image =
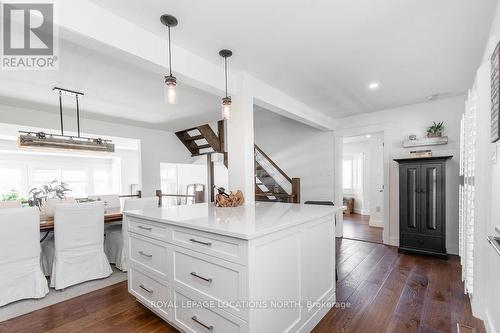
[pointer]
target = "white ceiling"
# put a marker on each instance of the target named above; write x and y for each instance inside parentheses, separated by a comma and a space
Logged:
(117, 87)
(325, 53)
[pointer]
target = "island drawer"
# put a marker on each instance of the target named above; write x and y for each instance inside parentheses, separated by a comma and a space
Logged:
(148, 254)
(223, 247)
(210, 278)
(148, 228)
(192, 315)
(152, 293)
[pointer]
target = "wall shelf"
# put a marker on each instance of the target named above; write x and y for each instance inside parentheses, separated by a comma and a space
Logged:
(425, 142)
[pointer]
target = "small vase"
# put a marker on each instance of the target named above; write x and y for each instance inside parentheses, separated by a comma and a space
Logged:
(435, 135)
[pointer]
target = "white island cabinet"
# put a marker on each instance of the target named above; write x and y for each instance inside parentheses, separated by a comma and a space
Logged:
(264, 268)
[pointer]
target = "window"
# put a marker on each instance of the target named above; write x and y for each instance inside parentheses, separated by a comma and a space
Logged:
(11, 180)
(347, 173)
(101, 182)
(77, 182)
(352, 173)
(84, 175)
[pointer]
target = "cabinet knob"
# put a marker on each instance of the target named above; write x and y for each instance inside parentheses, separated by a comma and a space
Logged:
(420, 241)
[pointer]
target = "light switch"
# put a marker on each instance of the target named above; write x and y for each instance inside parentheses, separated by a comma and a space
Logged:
(494, 155)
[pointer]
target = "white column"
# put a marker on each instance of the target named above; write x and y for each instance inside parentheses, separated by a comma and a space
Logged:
(240, 139)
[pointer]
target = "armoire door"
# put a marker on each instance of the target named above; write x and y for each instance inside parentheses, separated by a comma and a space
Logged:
(409, 198)
(431, 199)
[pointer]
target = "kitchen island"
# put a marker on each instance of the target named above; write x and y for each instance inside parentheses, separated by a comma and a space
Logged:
(268, 267)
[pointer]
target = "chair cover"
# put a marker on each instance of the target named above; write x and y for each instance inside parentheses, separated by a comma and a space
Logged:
(10, 204)
(116, 238)
(78, 246)
(111, 201)
(21, 276)
(50, 205)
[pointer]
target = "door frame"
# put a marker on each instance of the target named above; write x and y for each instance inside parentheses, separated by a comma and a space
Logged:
(338, 190)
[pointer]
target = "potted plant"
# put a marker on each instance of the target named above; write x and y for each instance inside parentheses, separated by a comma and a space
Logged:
(436, 130)
(54, 189)
(11, 196)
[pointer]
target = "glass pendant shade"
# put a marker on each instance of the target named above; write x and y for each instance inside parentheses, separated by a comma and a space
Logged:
(226, 107)
(170, 91)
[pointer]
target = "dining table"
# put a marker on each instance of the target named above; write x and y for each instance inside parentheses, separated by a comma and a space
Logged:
(110, 215)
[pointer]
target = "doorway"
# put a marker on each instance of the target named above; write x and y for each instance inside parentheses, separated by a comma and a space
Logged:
(363, 186)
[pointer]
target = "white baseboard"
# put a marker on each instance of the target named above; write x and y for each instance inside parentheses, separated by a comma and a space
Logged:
(394, 241)
(488, 324)
(376, 223)
(361, 211)
(452, 248)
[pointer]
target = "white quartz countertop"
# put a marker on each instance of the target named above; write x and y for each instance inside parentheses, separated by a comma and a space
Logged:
(245, 222)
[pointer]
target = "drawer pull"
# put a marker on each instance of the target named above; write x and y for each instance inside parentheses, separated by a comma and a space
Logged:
(146, 289)
(200, 242)
(145, 254)
(201, 277)
(420, 241)
(145, 228)
(195, 319)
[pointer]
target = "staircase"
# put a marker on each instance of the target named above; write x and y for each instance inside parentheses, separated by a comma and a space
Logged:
(271, 183)
(202, 140)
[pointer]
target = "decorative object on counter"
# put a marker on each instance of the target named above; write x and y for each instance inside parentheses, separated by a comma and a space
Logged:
(228, 200)
(42, 140)
(425, 142)
(436, 130)
(495, 94)
(421, 153)
(52, 190)
(221, 191)
(412, 137)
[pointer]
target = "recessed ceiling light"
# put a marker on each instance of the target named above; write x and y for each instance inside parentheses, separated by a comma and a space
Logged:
(373, 85)
(368, 136)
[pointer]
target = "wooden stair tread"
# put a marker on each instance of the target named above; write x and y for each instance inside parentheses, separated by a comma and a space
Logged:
(277, 195)
(204, 146)
(194, 138)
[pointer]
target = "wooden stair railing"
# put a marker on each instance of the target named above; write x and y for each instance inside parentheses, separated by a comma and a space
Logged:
(267, 187)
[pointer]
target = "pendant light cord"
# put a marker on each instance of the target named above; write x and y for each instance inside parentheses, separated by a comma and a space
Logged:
(225, 72)
(77, 115)
(169, 52)
(61, 112)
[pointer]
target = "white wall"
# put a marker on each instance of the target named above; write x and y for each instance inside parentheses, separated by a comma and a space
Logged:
(156, 146)
(399, 123)
(485, 300)
(299, 150)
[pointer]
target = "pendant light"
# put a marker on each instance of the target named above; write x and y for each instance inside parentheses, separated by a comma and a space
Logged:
(170, 80)
(52, 141)
(226, 101)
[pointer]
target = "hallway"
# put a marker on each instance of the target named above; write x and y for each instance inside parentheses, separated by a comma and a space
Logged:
(356, 227)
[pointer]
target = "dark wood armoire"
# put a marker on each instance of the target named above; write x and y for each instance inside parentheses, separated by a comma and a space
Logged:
(422, 205)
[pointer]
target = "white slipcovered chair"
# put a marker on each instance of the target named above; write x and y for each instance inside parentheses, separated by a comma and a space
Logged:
(10, 204)
(49, 206)
(21, 276)
(116, 238)
(77, 245)
(111, 202)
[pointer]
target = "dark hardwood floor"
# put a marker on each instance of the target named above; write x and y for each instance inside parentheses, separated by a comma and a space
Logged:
(385, 292)
(356, 226)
